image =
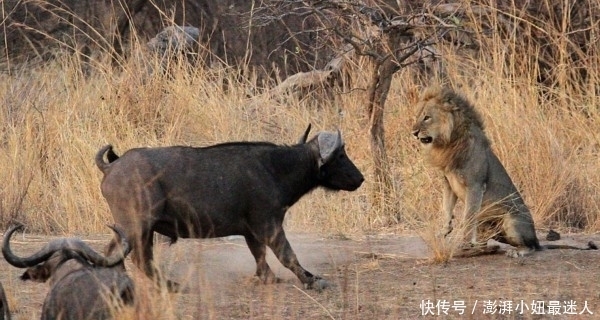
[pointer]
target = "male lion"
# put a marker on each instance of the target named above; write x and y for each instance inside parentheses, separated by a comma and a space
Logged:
(453, 135)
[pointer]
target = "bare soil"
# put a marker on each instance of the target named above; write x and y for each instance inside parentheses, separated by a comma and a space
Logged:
(373, 277)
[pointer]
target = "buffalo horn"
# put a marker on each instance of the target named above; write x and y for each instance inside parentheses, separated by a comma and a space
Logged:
(73, 245)
(305, 135)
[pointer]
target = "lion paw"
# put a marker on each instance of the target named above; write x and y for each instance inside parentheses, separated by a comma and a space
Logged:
(513, 253)
(518, 253)
(445, 232)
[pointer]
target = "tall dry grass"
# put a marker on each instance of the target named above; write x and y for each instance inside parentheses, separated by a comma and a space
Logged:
(55, 117)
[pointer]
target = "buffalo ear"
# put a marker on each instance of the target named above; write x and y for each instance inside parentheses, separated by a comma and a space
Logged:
(329, 142)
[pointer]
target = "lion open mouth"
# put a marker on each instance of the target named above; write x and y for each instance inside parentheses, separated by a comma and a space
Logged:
(426, 140)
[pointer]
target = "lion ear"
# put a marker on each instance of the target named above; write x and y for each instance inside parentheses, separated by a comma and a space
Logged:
(448, 106)
(448, 100)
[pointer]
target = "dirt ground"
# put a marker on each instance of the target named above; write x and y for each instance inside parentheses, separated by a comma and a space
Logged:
(373, 277)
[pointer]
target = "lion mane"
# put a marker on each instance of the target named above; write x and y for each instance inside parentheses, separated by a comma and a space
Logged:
(456, 122)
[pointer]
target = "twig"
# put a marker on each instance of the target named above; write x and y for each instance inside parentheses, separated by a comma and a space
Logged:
(317, 302)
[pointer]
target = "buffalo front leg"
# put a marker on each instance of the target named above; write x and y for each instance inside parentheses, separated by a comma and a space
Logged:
(282, 249)
(259, 251)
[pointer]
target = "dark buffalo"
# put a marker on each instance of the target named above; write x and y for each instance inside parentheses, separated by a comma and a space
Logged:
(4, 310)
(238, 188)
(83, 283)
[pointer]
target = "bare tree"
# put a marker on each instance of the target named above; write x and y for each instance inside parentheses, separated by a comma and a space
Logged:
(374, 29)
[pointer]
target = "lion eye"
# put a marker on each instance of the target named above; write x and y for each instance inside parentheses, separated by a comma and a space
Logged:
(426, 118)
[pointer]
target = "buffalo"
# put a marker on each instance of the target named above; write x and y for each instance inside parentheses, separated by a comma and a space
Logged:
(236, 188)
(83, 283)
(4, 310)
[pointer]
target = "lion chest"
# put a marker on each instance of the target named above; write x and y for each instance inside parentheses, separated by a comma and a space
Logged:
(459, 185)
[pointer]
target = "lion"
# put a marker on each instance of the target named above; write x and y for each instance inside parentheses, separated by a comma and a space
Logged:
(452, 134)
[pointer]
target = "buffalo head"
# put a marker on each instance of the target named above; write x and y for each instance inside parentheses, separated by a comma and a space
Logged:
(336, 170)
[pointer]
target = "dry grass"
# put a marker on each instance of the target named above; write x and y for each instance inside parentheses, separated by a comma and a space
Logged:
(55, 118)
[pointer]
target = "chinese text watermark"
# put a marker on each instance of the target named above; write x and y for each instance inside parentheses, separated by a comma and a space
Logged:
(506, 307)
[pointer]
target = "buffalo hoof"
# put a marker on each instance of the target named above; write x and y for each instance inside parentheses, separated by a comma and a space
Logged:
(319, 284)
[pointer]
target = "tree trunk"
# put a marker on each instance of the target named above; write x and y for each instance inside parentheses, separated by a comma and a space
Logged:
(130, 9)
(378, 91)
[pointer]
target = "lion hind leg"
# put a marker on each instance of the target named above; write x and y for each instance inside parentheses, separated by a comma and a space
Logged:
(511, 250)
(522, 246)
(519, 231)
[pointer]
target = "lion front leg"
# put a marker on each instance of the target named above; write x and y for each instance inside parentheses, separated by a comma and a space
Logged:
(448, 203)
(473, 200)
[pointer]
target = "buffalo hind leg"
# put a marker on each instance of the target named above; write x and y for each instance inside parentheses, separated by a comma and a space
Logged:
(259, 251)
(282, 249)
(143, 258)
